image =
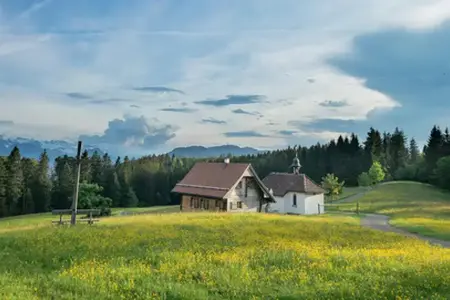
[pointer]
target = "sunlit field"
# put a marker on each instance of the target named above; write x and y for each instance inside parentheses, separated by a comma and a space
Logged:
(417, 207)
(219, 256)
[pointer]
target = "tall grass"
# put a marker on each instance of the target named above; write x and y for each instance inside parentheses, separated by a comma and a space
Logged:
(219, 256)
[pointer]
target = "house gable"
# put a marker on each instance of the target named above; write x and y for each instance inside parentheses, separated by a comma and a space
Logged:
(210, 179)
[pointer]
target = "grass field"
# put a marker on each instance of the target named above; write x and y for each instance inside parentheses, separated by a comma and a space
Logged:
(416, 207)
(218, 256)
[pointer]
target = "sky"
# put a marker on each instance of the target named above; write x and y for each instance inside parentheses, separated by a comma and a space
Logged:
(150, 75)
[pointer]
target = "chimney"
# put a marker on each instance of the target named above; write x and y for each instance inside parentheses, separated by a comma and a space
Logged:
(226, 160)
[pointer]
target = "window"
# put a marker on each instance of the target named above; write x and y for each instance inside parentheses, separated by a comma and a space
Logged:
(206, 204)
(217, 203)
(239, 204)
(201, 203)
(192, 202)
(294, 200)
(196, 203)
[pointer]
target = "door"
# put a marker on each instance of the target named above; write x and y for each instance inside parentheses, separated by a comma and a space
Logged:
(224, 205)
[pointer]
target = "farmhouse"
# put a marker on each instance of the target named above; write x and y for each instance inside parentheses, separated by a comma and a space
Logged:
(294, 193)
(233, 187)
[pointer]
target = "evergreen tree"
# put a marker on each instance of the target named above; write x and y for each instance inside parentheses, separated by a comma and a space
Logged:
(85, 171)
(14, 188)
(446, 143)
(64, 185)
(413, 151)
(28, 170)
(397, 152)
(433, 150)
(42, 184)
(373, 144)
(28, 202)
(96, 168)
(128, 197)
(3, 180)
(113, 189)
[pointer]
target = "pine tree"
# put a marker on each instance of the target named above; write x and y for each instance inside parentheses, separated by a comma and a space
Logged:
(42, 186)
(446, 143)
(28, 170)
(397, 151)
(128, 197)
(85, 172)
(113, 188)
(3, 178)
(28, 202)
(433, 149)
(373, 144)
(64, 184)
(96, 168)
(413, 151)
(14, 188)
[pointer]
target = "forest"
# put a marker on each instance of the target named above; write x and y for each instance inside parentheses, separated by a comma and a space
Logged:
(33, 186)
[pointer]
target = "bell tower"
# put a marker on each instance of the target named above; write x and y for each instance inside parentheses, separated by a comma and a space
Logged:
(296, 165)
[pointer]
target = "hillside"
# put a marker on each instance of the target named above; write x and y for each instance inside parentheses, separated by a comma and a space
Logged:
(216, 256)
(416, 207)
(216, 151)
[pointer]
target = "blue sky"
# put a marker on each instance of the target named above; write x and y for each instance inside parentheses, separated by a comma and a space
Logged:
(148, 75)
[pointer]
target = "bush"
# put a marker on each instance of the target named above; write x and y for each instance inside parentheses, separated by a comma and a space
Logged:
(332, 186)
(364, 179)
(89, 197)
(376, 172)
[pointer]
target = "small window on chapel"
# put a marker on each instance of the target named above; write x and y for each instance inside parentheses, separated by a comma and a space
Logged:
(294, 200)
(239, 204)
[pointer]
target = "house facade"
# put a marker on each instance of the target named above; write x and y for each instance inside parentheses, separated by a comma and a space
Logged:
(294, 193)
(231, 187)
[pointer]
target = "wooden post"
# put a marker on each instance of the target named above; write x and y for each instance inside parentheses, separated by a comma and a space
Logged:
(73, 220)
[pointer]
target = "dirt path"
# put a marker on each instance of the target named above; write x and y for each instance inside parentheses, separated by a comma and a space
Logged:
(381, 222)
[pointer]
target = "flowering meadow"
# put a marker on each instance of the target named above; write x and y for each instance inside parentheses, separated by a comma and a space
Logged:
(219, 256)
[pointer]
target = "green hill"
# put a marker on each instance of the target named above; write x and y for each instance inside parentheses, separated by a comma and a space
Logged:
(416, 207)
(217, 256)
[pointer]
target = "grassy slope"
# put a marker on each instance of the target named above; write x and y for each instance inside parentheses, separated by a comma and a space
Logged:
(348, 192)
(416, 207)
(219, 256)
(39, 220)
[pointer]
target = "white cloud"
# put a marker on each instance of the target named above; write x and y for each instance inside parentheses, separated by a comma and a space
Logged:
(227, 52)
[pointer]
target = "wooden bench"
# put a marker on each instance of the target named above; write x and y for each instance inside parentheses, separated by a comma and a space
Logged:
(90, 220)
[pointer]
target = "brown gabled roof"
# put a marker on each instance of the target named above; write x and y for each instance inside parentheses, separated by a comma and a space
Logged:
(210, 179)
(282, 183)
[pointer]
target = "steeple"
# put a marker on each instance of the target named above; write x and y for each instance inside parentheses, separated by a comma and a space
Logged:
(296, 165)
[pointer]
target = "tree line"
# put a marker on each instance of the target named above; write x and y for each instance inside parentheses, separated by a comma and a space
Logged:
(31, 186)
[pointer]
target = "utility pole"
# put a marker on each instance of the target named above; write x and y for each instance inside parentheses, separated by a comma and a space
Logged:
(73, 220)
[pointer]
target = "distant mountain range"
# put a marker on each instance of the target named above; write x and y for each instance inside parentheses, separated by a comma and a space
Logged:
(216, 151)
(33, 148)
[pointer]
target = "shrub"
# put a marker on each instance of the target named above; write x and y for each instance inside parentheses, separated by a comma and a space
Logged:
(364, 179)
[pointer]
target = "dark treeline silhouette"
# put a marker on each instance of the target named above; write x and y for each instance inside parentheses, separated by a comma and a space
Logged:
(31, 186)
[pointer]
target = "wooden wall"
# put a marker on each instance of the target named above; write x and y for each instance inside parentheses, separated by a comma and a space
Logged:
(201, 203)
